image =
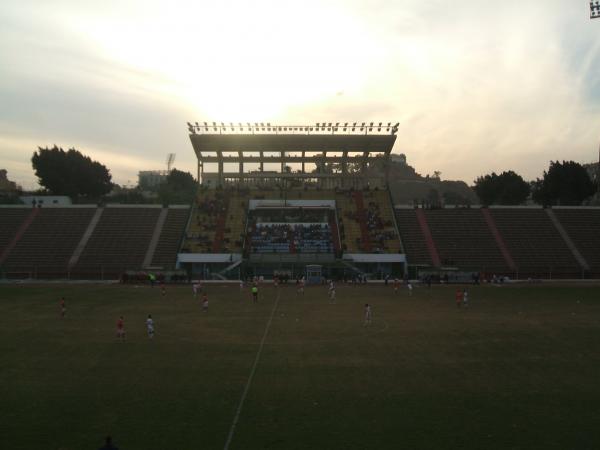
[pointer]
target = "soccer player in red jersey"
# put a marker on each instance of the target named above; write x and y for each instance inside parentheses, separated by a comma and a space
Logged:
(121, 328)
(459, 297)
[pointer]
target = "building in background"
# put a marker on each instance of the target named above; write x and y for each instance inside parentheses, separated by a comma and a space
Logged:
(401, 158)
(151, 179)
(5, 184)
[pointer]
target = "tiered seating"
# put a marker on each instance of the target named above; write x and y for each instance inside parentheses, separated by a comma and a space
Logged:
(412, 237)
(270, 239)
(583, 227)
(463, 239)
(365, 218)
(380, 222)
(49, 241)
(368, 223)
(119, 241)
(165, 254)
(209, 207)
(350, 231)
(220, 216)
(235, 223)
(10, 221)
(284, 238)
(535, 245)
(312, 239)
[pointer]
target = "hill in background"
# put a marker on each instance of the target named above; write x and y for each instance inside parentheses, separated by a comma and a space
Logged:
(409, 187)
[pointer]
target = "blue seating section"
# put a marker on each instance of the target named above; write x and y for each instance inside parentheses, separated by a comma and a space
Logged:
(297, 238)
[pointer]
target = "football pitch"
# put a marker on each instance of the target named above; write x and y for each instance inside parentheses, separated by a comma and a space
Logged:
(518, 369)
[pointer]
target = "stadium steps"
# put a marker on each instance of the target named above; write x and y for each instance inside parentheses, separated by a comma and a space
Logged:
(47, 245)
(119, 242)
(498, 238)
(464, 240)
(582, 225)
(10, 221)
(563, 233)
(171, 237)
(234, 225)
(346, 208)
(85, 238)
(412, 237)
(387, 214)
(162, 217)
(220, 231)
(385, 209)
(433, 253)
(19, 234)
(537, 248)
(335, 233)
(362, 220)
(230, 267)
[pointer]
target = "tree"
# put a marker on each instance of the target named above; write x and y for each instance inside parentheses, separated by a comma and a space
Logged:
(70, 173)
(566, 183)
(508, 188)
(180, 187)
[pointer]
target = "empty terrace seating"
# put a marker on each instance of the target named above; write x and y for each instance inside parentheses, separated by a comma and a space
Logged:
(583, 227)
(535, 245)
(463, 239)
(173, 229)
(119, 241)
(48, 243)
(412, 237)
(10, 221)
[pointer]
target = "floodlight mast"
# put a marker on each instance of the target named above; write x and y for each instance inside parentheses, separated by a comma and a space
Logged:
(170, 161)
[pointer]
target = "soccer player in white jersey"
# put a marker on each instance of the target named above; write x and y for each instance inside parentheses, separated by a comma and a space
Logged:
(332, 292)
(465, 298)
(410, 288)
(301, 286)
(150, 326)
(195, 288)
(367, 314)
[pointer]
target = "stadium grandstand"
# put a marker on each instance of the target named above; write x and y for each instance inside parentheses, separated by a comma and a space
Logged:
(278, 199)
(281, 198)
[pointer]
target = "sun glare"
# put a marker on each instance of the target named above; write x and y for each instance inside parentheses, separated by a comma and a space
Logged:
(240, 69)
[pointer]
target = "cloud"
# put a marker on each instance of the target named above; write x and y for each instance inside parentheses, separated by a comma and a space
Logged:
(476, 86)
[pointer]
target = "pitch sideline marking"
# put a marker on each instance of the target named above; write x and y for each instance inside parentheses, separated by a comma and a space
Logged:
(249, 382)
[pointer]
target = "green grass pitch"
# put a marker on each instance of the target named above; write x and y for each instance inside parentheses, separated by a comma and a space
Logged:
(518, 369)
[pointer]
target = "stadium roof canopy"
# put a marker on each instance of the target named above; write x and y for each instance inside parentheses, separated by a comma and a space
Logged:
(321, 145)
(266, 143)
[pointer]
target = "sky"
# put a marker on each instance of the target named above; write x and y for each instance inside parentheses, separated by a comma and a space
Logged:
(476, 86)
